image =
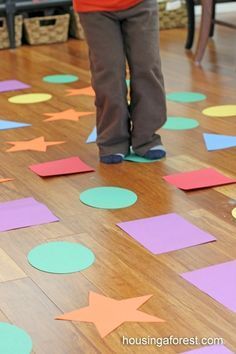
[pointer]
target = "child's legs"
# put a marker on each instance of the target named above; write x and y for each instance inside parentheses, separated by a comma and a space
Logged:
(148, 105)
(107, 58)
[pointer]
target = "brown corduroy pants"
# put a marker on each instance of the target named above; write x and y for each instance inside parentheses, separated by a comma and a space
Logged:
(113, 38)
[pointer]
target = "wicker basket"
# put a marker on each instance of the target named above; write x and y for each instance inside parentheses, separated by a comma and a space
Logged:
(48, 29)
(4, 36)
(76, 29)
(172, 18)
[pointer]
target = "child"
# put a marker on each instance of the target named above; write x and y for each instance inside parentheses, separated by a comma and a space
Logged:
(117, 30)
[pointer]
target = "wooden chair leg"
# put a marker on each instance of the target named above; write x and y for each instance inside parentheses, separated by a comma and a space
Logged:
(206, 20)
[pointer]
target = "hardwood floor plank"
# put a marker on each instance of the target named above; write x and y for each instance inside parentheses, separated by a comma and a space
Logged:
(3, 318)
(9, 270)
(27, 307)
(123, 268)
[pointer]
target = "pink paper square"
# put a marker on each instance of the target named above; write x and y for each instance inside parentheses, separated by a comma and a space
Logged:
(61, 167)
(206, 177)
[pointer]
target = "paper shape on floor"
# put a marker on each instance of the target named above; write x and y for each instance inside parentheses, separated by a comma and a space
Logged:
(60, 78)
(12, 85)
(180, 123)
(37, 144)
(30, 98)
(185, 96)
(218, 142)
(210, 349)
(24, 212)
(87, 91)
(165, 233)
(92, 136)
(203, 178)
(234, 213)
(61, 257)
(107, 314)
(14, 340)
(132, 157)
(61, 167)
(108, 197)
(69, 114)
(8, 124)
(217, 281)
(220, 111)
(2, 180)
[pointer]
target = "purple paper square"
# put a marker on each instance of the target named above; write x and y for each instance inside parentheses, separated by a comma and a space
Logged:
(165, 233)
(218, 281)
(17, 203)
(23, 213)
(210, 349)
(12, 85)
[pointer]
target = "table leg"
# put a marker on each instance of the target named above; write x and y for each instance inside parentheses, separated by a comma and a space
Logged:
(191, 23)
(10, 11)
(206, 20)
(213, 18)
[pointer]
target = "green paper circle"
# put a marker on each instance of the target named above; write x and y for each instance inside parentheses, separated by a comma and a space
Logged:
(60, 79)
(61, 257)
(108, 197)
(14, 340)
(135, 158)
(180, 123)
(185, 97)
(30, 98)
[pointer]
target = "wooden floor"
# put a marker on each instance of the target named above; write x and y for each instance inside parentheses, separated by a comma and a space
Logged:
(30, 298)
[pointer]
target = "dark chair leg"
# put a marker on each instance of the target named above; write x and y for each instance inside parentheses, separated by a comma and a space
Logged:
(10, 10)
(213, 19)
(191, 23)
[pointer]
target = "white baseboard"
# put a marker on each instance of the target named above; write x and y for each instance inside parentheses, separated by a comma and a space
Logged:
(220, 8)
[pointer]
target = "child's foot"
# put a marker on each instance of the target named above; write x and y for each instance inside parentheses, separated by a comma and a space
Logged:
(155, 153)
(111, 159)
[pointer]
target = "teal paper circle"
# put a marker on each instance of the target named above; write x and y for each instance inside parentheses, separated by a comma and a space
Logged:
(135, 158)
(180, 123)
(61, 257)
(60, 79)
(14, 340)
(185, 97)
(108, 197)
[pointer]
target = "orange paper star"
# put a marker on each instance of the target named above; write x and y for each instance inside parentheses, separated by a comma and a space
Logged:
(38, 144)
(107, 314)
(69, 114)
(87, 91)
(2, 180)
